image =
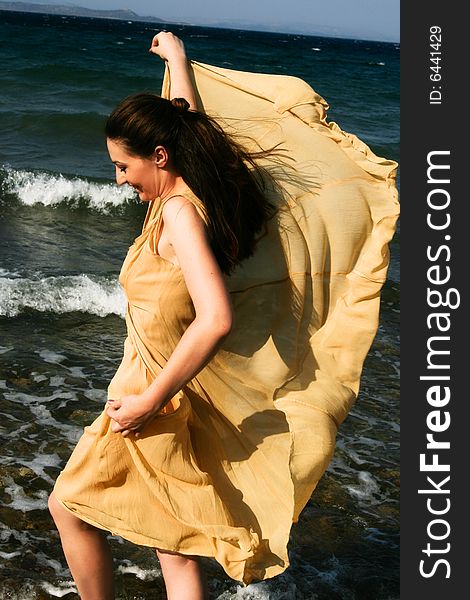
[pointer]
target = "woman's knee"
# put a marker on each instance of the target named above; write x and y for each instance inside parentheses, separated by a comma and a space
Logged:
(174, 559)
(55, 508)
(62, 517)
(183, 575)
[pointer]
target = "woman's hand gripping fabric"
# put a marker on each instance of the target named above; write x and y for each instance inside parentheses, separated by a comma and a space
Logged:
(130, 414)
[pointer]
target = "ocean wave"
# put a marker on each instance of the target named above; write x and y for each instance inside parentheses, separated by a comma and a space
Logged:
(30, 188)
(98, 296)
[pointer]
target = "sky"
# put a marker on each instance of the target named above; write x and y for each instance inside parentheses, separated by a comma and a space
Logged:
(361, 19)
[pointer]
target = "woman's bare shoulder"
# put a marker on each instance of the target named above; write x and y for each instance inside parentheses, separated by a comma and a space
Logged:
(183, 210)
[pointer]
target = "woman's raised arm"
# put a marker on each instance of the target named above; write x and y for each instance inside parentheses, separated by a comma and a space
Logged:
(171, 49)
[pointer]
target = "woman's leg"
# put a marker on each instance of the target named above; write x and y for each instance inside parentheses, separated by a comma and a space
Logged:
(183, 575)
(87, 552)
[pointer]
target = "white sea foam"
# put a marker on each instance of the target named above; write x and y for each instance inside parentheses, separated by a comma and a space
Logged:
(51, 563)
(99, 296)
(39, 463)
(367, 487)
(9, 555)
(38, 378)
(25, 592)
(43, 416)
(96, 395)
(356, 457)
(59, 592)
(20, 501)
(263, 591)
(7, 533)
(51, 357)
(54, 189)
(77, 372)
(142, 574)
(254, 591)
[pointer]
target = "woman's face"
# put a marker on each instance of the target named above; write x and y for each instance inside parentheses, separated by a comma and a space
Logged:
(140, 173)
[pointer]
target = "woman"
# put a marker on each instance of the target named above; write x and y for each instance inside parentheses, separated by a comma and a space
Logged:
(223, 413)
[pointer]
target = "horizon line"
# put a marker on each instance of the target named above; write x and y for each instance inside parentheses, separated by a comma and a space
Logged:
(147, 19)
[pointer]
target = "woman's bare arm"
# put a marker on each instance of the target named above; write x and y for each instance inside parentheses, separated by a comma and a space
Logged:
(171, 49)
(211, 300)
(204, 280)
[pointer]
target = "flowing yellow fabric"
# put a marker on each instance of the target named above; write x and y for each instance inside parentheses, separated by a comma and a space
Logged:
(232, 462)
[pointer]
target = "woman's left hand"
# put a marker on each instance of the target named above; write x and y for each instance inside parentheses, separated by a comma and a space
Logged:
(168, 47)
(130, 414)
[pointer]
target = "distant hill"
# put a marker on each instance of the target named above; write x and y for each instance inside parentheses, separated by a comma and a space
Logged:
(76, 11)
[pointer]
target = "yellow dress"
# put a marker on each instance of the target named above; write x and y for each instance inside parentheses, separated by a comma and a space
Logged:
(229, 466)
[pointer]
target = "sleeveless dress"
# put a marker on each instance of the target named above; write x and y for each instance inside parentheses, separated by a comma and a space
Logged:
(229, 464)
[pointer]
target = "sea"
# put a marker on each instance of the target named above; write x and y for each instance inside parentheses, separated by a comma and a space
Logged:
(64, 231)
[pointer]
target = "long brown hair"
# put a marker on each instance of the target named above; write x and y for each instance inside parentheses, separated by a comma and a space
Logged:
(219, 171)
